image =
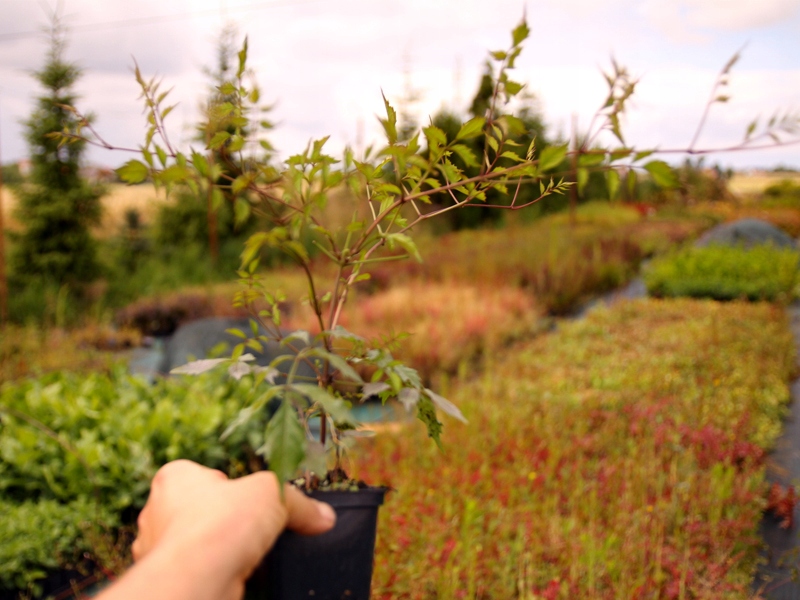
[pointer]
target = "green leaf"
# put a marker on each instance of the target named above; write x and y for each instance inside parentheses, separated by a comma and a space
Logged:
(133, 171)
(471, 128)
(445, 405)
(200, 163)
(435, 136)
(612, 183)
(284, 442)
(662, 173)
(405, 242)
(218, 140)
(426, 412)
(338, 363)
(162, 155)
(390, 122)
(465, 154)
(552, 156)
(583, 178)
(591, 159)
(520, 33)
(750, 129)
(512, 88)
(198, 366)
(335, 407)
(174, 174)
(241, 209)
(499, 55)
(236, 143)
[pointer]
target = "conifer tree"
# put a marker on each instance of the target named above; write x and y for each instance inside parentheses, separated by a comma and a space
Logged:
(57, 207)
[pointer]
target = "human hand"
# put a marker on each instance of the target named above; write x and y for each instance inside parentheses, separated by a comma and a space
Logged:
(215, 531)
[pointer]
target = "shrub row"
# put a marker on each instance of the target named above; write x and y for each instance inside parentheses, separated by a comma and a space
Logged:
(726, 273)
(619, 457)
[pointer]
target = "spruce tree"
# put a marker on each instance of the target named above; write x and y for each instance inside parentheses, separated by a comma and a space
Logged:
(57, 207)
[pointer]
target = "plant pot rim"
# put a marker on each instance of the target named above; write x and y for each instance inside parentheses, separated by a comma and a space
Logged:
(368, 496)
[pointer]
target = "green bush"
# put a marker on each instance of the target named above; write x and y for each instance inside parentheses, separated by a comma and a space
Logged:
(38, 537)
(83, 449)
(725, 273)
(113, 432)
(784, 194)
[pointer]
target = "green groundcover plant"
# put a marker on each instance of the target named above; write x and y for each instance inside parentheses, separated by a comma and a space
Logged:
(42, 536)
(720, 272)
(77, 454)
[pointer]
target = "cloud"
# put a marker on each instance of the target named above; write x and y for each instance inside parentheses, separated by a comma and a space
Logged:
(690, 20)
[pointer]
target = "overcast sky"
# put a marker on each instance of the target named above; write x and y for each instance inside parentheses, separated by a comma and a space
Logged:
(325, 62)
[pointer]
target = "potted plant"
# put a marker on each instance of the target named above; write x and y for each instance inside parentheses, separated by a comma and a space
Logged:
(311, 423)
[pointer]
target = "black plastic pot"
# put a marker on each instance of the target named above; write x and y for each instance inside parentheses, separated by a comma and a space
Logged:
(336, 565)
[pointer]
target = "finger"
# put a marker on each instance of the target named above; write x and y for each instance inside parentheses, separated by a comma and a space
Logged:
(307, 516)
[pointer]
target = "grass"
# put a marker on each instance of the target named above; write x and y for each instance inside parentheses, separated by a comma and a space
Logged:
(620, 457)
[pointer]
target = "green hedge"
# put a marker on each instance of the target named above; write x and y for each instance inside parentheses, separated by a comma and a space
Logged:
(726, 273)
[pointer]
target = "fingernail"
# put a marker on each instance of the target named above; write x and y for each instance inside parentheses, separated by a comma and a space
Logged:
(326, 513)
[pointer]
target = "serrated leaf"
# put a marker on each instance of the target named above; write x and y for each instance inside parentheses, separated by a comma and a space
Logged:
(338, 363)
(445, 405)
(405, 242)
(133, 171)
(239, 369)
(335, 407)
(316, 459)
(300, 335)
(198, 366)
(284, 442)
(552, 156)
(390, 122)
(162, 155)
(435, 136)
(471, 128)
(520, 33)
(465, 154)
(342, 333)
(218, 140)
(531, 150)
(408, 397)
(373, 389)
(200, 163)
(662, 173)
(236, 143)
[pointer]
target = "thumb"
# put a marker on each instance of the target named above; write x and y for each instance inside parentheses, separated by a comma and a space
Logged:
(306, 515)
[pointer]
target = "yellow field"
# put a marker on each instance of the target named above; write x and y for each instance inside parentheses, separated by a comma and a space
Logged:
(745, 184)
(116, 202)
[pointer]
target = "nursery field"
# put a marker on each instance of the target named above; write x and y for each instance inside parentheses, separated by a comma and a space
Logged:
(620, 455)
